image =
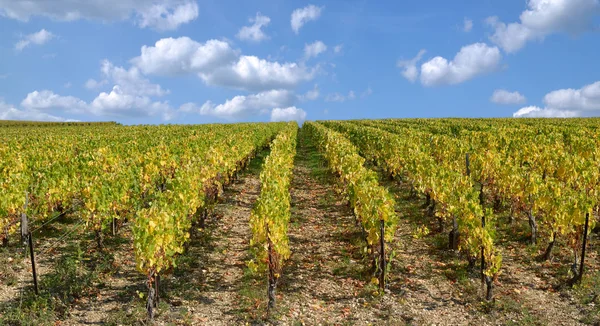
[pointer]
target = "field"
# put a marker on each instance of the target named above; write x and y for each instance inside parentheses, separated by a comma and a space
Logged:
(381, 222)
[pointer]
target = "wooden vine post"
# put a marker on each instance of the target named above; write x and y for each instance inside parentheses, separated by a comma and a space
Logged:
(272, 286)
(35, 283)
(585, 232)
(577, 278)
(382, 255)
(27, 239)
(113, 226)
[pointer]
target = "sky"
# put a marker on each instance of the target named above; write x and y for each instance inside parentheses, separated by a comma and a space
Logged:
(196, 61)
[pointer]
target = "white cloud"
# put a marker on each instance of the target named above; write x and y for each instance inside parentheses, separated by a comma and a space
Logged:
(337, 97)
(585, 99)
(120, 103)
(242, 106)
(67, 85)
(301, 16)
(410, 70)
(216, 63)
(311, 95)
(542, 18)
(314, 49)
(166, 15)
(116, 103)
(338, 48)
(471, 61)
(536, 112)
(131, 95)
(502, 96)
(567, 103)
(169, 56)
(92, 84)
(288, 114)
(367, 92)
(46, 99)
(467, 25)
(254, 32)
(254, 74)
(131, 81)
(38, 38)
(9, 112)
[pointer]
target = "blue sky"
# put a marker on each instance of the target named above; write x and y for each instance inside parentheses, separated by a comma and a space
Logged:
(188, 61)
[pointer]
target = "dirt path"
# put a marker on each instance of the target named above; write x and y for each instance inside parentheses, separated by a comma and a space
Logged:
(226, 257)
(324, 281)
(205, 288)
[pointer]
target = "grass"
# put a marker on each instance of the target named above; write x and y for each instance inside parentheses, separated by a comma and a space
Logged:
(523, 316)
(587, 294)
(8, 266)
(136, 315)
(253, 296)
(72, 274)
(68, 281)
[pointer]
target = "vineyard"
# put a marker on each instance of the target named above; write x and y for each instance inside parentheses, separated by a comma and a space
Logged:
(384, 222)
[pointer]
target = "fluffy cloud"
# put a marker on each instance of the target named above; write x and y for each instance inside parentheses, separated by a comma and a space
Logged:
(301, 16)
(536, 112)
(121, 103)
(254, 74)
(502, 96)
(567, 103)
(367, 92)
(93, 84)
(337, 97)
(585, 99)
(467, 25)
(288, 114)
(130, 96)
(45, 99)
(314, 49)
(177, 56)
(116, 103)
(471, 61)
(242, 106)
(338, 48)
(542, 18)
(311, 95)
(254, 32)
(9, 112)
(166, 15)
(409, 67)
(216, 63)
(131, 81)
(39, 38)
